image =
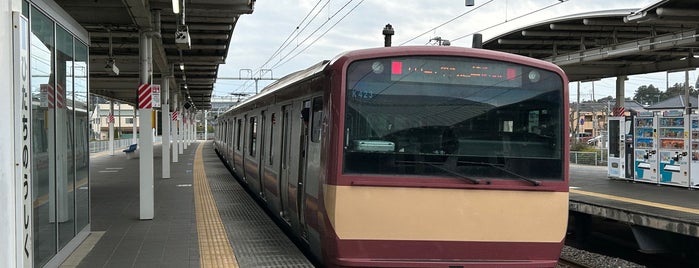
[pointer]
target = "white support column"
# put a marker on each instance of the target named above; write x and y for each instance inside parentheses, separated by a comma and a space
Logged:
(175, 131)
(120, 130)
(111, 127)
(192, 128)
(185, 138)
(180, 137)
(146, 191)
(166, 127)
(620, 90)
(206, 126)
(134, 132)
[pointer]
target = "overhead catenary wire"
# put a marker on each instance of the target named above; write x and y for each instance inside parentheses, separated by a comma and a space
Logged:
(291, 36)
(447, 22)
(318, 29)
(286, 42)
(515, 18)
(283, 60)
(323, 34)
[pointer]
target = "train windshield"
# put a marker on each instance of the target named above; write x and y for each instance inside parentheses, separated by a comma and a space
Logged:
(439, 116)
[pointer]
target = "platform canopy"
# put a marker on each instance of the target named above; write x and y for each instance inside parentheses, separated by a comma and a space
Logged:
(210, 25)
(612, 43)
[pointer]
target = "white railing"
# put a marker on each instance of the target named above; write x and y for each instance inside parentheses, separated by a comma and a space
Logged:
(101, 146)
(589, 158)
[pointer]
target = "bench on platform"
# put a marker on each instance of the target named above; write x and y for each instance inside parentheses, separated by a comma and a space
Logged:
(131, 151)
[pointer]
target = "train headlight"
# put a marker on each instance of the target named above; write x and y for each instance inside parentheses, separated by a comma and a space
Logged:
(377, 67)
(534, 76)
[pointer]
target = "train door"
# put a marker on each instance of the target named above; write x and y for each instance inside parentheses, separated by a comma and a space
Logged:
(303, 164)
(270, 162)
(261, 158)
(285, 171)
(312, 172)
(238, 154)
(243, 148)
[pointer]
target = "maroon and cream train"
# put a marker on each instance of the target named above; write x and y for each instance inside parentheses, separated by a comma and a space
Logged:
(411, 157)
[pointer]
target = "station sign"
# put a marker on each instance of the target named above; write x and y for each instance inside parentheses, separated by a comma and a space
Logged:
(22, 110)
(156, 95)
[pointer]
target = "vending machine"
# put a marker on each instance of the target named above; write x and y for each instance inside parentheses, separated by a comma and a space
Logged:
(694, 162)
(616, 169)
(645, 148)
(673, 143)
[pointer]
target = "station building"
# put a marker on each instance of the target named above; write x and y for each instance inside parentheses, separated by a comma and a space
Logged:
(44, 198)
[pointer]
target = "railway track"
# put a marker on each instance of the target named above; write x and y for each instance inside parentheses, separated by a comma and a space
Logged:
(568, 263)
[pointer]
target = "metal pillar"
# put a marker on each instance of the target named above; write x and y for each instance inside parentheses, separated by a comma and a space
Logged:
(206, 126)
(146, 196)
(165, 112)
(111, 127)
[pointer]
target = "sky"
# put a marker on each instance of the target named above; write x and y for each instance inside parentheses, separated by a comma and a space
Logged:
(284, 36)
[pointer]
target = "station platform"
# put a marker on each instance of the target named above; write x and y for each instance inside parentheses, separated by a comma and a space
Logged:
(203, 218)
(665, 208)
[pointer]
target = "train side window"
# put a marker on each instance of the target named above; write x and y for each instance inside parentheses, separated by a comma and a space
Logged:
(238, 134)
(317, 124)
(253, 136)
(271, 140)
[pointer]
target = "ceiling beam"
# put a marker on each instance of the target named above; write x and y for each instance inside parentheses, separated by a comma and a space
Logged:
(662, 42)
(584, 34)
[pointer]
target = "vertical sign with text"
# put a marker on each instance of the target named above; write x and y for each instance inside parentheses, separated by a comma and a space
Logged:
(22, 117)
(156, 95)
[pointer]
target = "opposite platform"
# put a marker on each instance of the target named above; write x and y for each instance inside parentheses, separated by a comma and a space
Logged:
(667, 208)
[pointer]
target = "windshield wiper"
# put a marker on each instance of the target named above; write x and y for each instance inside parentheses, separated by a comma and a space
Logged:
(457, 174)
(501, 168)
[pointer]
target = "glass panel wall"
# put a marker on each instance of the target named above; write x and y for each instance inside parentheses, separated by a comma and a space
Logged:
(82, 136)
(65, 156)
(43, 136)
(60, 134)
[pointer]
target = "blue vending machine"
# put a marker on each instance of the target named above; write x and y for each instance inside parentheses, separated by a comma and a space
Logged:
(673, 142)
(694, 162)
(645, 148)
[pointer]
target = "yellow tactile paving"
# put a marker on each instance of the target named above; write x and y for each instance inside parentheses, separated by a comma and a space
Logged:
(636, 201)
(214, 248)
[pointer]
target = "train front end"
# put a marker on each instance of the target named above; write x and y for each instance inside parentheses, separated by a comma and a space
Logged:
(447, 157)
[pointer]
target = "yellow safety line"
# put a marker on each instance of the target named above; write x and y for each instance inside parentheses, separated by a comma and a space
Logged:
(637, 201)
(215, 249)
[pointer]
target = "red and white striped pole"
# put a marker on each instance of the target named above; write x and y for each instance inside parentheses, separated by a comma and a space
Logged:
(110, 122)
(180, 135)
(175, 131)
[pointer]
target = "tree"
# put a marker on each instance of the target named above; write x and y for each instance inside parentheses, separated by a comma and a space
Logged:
(676, 90)
(606, 99)
(647, 94)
